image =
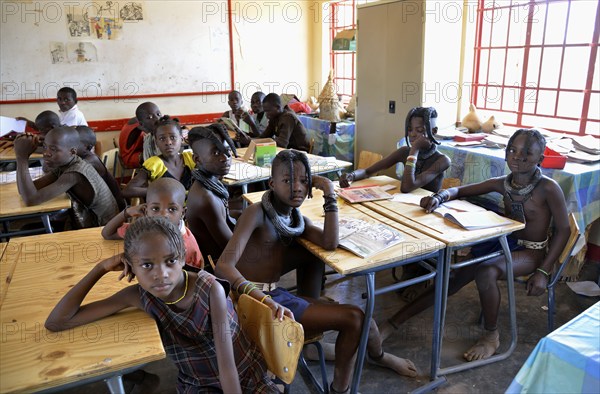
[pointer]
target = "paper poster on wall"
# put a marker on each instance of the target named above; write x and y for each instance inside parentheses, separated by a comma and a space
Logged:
(57, 52)
(81, 52)
(78, 25)
(106, 28)
(132, 11)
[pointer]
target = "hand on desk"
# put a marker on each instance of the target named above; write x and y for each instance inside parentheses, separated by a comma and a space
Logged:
(25, 145)
(429, 203)
(346, 179)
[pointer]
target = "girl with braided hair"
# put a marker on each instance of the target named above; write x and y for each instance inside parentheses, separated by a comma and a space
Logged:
(198, 325)
(424, 166)
(171, 162)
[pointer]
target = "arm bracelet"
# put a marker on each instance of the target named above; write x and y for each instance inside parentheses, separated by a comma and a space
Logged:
(442, 196)
(330, 204)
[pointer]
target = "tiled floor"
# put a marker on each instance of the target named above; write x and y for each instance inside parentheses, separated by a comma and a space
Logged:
(413, 339)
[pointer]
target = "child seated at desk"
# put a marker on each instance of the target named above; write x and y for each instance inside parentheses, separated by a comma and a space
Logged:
(529, 197)
(263, 248)
(166, 198)
(239, 115)
(258, 114)
(85, 150)
(92, 201)
(68, 112)
(424, 166)
(284, 126)
(170, 163)
(196, 319)
(208, 199)
(136, 140)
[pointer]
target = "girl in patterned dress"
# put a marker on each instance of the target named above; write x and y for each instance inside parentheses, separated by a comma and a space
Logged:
(196, 319)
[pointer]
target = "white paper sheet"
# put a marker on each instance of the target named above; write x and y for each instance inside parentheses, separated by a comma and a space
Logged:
(11, 124)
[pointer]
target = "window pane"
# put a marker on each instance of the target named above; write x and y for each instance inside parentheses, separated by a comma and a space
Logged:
(510, 101)
(514, 67)
(537, 25)
(569, 104)
(581, 22)
(550, 68)
(575, 69)
(571, 126)
(500, 28)
(594, 111)
(529, 101)
(533, 66)
(493, 96)
(545, 102)
(593, 128)
(518, 27)
(485, 31)
(496, 66)
(483, 65)
(555, 26)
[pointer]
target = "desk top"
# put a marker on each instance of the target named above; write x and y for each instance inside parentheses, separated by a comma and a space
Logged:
(7, 152)
(252, 173)
(7, 266)
(431, 224)
(11, 203)
(415, 243)
(33, 358)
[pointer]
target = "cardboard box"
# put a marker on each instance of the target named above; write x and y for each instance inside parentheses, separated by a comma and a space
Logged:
(345, 41)
(261, 152)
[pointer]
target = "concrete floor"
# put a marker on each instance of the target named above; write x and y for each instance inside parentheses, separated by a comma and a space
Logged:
(413, 339)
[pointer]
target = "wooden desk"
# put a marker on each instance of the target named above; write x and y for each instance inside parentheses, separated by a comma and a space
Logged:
(7, 267)
(416, 247)
(33, 358)
(454, 237)
(12, 207)
(7, 152)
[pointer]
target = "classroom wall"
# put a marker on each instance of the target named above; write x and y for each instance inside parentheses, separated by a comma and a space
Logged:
(274, 51)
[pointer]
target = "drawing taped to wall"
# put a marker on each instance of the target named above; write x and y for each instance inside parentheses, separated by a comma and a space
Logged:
(133, 11)
(57, 52)
(106, 28)
(77, 24)
(81, 52)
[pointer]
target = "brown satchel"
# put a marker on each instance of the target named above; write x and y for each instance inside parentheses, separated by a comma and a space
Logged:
(280, 342)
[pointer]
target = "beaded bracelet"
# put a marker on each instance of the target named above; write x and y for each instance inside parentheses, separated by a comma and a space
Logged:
(442, 196)
(240, 285)
(543, 272)
(330, 204)
(264, 298)
(410, 164)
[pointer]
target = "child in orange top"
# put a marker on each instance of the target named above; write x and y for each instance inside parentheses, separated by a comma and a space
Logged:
(165, 197)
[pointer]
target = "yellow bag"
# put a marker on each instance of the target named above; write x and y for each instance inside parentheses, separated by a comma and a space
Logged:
(280, 342)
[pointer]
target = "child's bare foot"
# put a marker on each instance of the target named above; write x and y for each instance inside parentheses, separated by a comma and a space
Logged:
(485, 347)
(310, 352)
(402, 366)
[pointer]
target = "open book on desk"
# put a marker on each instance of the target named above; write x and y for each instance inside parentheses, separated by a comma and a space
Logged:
(364, 194)
(365, 239)
(472, 220)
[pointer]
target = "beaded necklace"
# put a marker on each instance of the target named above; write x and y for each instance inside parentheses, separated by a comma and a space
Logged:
(517, 210)
(286, 232)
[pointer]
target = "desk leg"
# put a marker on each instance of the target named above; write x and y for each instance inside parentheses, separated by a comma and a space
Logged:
(115, 385)
(244, 191)
(47, 225)
(364, 336)
(511, 310)
(439, 309)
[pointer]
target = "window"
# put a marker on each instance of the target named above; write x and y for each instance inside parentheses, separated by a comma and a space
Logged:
(536, 63)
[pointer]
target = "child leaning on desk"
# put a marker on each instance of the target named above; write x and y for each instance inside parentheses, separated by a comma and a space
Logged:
(166, 198)
(530, 198)
(171, 163)
(264, 247)
(424, 166)
(92, 201)
(198, 325)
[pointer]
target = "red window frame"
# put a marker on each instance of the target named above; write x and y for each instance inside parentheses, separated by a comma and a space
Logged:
(342, 16)
(587, 122)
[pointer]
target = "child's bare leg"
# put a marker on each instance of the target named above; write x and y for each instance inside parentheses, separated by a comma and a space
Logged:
(461, 278)
(377, 356)
(347, 320)
(487, 276)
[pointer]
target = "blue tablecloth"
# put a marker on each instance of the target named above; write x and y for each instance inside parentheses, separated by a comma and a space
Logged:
(580, 182)
(318, 130)
(565, 361)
